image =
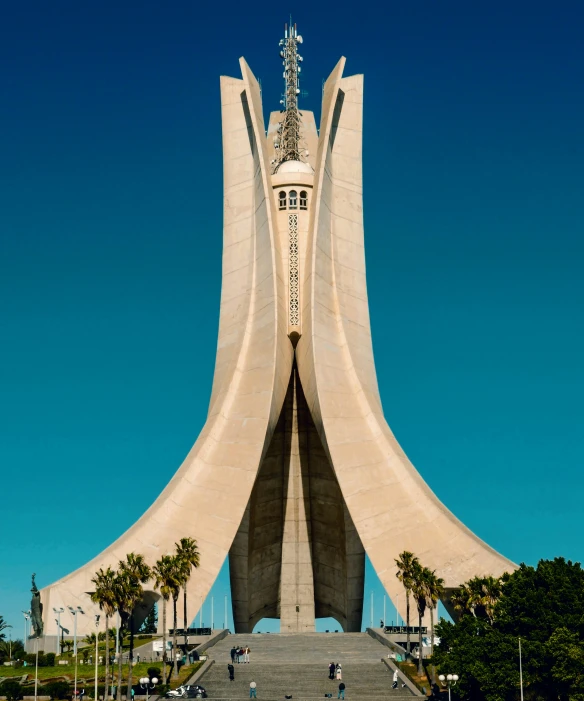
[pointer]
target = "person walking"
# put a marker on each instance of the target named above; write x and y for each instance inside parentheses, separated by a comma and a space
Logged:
(395, 678)
(253, 693)
(231, 670)
(331, 669)
(233, 654)
(339, 672)
(341, 694)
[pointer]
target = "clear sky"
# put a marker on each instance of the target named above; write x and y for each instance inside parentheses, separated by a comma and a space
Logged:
(110, 255)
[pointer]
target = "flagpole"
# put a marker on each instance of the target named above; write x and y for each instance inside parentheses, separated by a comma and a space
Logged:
(520, 670)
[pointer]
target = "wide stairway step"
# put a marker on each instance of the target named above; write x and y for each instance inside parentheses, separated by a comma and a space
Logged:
(297, 665)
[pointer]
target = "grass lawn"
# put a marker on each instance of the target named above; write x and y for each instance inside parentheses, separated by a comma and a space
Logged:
(85, 673)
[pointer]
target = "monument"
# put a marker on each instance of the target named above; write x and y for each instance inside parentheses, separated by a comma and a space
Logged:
(296, 474)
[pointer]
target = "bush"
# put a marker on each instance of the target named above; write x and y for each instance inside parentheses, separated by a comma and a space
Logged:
(50, 657)
(30, 658)
(154, 672)
(42, 660)
(11, 689)
(56, 690)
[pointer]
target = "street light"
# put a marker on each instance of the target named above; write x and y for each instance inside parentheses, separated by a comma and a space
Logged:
(59, 611)
(145, 683)
(451, 680)
(95, 694)
(75, 612)
(26, 615)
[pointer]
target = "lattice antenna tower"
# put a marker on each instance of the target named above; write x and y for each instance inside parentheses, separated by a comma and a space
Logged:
(287, 141)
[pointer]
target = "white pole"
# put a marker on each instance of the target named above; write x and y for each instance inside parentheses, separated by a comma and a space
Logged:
(118, 634)
(212, 613)
(396, 610)
(36, 670)
(75, 655)
(384, 620)
(520, 670)
(95, 692)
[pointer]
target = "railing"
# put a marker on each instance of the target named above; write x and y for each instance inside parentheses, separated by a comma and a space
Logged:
(405, 630)
(191, 631)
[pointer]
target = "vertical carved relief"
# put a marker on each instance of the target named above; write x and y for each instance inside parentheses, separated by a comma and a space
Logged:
(294, 301)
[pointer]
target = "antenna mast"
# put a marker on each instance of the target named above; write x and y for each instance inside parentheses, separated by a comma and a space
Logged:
(287, 141)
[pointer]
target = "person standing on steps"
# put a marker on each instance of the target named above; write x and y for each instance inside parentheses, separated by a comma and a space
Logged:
(233, 654)
(341, 694)
(253, 690)
(231, 670)
(332, 667)
(246, 652)
(339, 671)
(395, 678)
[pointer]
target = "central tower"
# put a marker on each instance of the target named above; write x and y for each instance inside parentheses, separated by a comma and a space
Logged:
(295, 474)
(296, 555)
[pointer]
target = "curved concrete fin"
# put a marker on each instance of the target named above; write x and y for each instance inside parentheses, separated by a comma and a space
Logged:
(392, 507)
(207, 496)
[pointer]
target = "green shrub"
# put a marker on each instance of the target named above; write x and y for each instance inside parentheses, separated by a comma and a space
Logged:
(50, 657)
(154, 672)
(56, 690)
(42, 660)
(11, 689)
(30, 658)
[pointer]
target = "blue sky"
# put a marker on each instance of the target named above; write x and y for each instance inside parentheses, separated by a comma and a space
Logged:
(110, 256)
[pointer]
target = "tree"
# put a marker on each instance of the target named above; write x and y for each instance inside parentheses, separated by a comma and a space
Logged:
(14, 648)
(566, 658)
(3, 626)
(150, 624)
(167, 579)
(188, 554)
(434, 592)
(104, 596)
(478, 597)
(133, 572)
(420, 593)
(406, 565)
(544, 606)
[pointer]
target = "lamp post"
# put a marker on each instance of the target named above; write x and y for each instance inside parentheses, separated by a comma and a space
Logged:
(26, 615)
(95, 692)
(59, 611)
(75, 612)
(145, 683)
(520, 670)
(9, 643)
(451, 680)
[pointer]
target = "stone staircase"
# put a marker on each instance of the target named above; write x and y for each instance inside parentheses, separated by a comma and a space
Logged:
(297, 665)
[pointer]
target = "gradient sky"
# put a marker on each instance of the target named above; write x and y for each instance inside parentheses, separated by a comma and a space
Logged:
(110, 255)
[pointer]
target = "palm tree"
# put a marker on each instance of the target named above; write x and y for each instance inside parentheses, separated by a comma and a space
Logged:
(188, 554)
(104, 596)
(491, 593)
(406, 566)
(3, 626)
(167, 579)
(434, 592)
(135, 572)
(419, 591)
(478, 595)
